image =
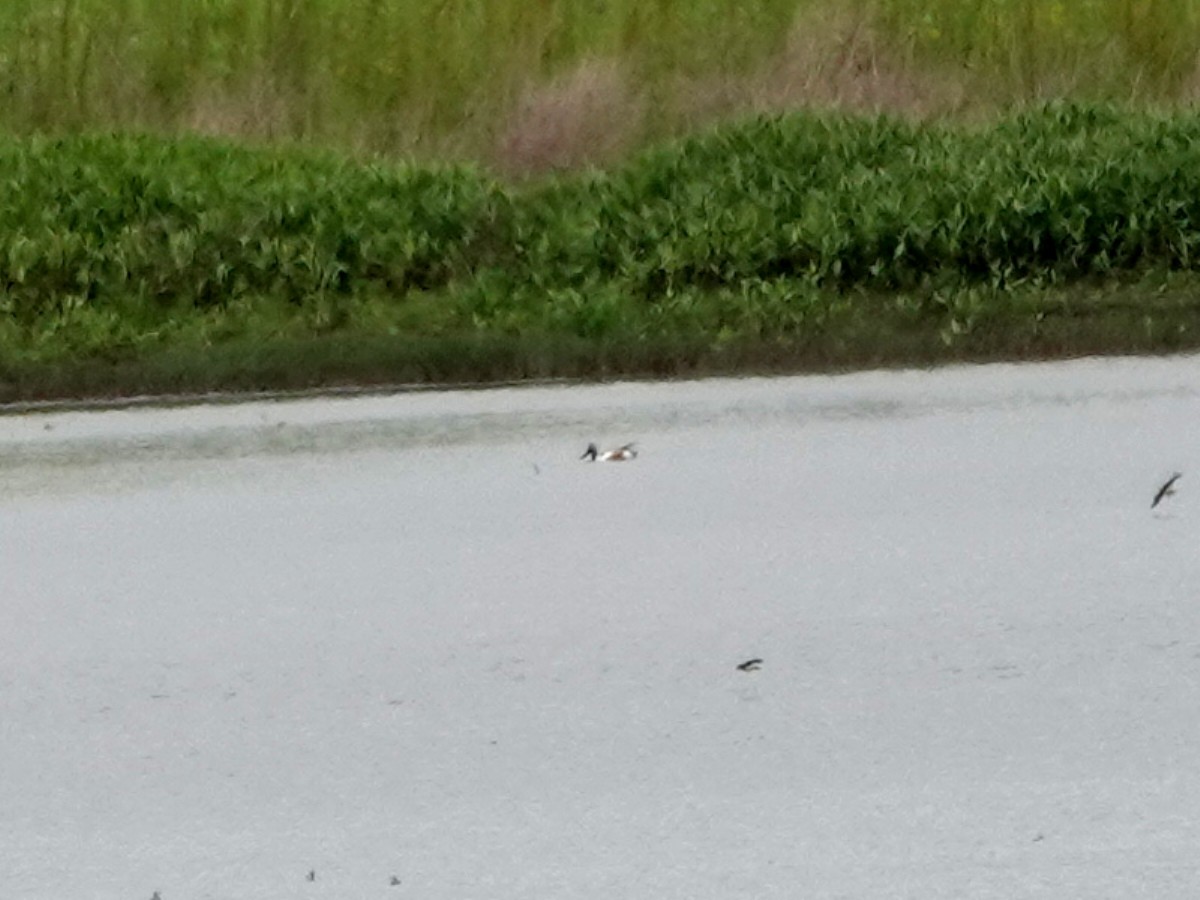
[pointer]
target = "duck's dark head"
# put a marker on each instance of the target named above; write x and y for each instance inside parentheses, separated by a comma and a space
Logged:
(590, 453)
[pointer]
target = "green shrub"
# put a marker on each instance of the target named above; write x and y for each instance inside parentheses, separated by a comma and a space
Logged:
(776, 232)
(146, 224)
(1058, 193)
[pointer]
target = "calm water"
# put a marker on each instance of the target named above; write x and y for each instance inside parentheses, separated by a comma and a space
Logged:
(415, 636)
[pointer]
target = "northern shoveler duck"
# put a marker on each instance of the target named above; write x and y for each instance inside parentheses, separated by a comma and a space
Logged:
(1166, 490)
(619, 455)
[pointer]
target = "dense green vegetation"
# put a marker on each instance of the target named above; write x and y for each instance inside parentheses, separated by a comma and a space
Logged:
(288, 247)
(526, 84)
(141, 263)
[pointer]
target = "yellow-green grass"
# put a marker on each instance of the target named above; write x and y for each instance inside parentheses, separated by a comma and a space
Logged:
(534, 84)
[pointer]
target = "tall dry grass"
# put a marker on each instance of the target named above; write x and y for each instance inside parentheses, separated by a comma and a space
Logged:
(529, 85)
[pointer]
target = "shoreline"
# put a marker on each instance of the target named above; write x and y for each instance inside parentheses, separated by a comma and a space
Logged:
(1153, 316)
(118, 401)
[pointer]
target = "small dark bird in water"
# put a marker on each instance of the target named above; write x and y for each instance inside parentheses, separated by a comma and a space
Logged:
(1166, 490)
(155, 896)
(395, 881)
(751, 665)
(312, 875)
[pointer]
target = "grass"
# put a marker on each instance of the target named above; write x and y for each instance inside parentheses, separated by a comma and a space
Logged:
(528, 86)
(1154, 313)
(808, 241)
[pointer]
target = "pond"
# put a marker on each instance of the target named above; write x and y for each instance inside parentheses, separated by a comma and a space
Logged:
(416, 638)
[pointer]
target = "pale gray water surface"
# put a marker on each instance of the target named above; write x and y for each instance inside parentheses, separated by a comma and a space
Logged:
(415, 636)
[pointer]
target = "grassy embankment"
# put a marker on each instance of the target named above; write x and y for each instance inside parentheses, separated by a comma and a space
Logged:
(783, 244)
(143, 264)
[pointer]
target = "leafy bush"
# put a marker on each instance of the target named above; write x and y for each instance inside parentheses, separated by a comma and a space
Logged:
(751, 232)
(149, 224)
(1059, 193)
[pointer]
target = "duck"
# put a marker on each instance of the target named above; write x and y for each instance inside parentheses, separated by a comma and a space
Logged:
(619, 455)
